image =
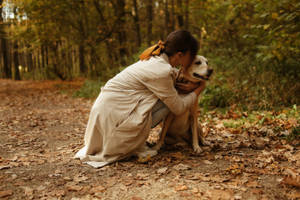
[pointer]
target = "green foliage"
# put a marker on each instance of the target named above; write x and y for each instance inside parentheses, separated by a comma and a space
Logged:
(216, 95)
(238, 80)
(255, 46)
(90, 89)
(233, 124)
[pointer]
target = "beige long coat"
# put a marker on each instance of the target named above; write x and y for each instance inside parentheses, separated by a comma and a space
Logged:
(120, 119)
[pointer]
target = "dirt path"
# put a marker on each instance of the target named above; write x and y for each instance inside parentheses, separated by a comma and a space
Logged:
(41, 129)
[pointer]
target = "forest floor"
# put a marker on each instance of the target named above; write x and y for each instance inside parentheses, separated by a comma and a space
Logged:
(251, 155)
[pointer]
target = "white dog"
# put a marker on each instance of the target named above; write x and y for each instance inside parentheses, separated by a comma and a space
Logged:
(185, 127)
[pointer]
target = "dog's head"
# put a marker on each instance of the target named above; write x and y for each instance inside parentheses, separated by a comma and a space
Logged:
(199, 70)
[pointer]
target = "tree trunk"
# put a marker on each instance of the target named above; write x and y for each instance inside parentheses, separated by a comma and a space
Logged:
(137, 24)
(186, 15)
(168, 25)
(6, 68)
(16, 61)
(83, 35)
(172, 16)
(29, 66)
(110, 54)
(149, 21)
(74, 60)
(81, 59)
(43, 55)
(55, 62)
(38, 57)
(179, 14)
(69, 61)
(22, 59)
(47, 56)
(121, 33)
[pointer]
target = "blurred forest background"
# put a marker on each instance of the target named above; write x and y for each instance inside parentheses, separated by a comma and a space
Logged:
(254, 45)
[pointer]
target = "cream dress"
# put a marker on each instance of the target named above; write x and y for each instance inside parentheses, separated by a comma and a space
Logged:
(120, 119)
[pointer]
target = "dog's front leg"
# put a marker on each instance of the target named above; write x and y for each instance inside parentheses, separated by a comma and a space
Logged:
(195, 136)
(200, 135)
(164, 131)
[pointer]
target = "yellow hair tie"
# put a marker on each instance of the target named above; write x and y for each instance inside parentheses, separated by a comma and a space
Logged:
(154, 50)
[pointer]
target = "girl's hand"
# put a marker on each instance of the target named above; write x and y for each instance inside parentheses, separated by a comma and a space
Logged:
(185, 88)
(200, 88)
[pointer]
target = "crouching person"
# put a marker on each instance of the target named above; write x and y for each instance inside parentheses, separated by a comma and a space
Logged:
(137, 99)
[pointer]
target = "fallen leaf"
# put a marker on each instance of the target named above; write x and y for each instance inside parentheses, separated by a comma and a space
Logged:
(195, 190)
(220, 194)
(181, 167)
(5, 193)
(60, 193)
(142, 176)
(97, 189)
(207, 162)
(178, 155)
(181, 188)
(41, 188)
(259, 143)
(4, 167)
(136, 198)
(292, 172)
(128, 182)
(292, 181)
(28, 191)
(252, 184)
(162, 170)
(74, 187)
(194, 176)
(80, 178)
(294, 195)
(257, 191)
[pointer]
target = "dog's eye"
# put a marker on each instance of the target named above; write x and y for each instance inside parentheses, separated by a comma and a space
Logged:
(198, 63)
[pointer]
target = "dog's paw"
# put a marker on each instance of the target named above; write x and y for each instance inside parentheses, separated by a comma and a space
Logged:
(206, 143)
(197, 149)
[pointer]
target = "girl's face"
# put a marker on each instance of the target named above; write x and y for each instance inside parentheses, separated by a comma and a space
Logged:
(183, 60)
(186, 60)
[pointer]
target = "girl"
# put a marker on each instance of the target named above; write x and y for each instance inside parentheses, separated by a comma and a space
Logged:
(137, 99)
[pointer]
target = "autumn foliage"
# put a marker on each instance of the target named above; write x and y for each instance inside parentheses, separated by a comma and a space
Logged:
(253, 44)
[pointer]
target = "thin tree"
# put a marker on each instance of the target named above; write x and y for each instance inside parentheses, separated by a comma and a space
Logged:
(121, 33)
(149, 21)
(168, 24)
(16, 61)
(137, 23)
(5, 54)
(186, 15)
(180, 14)
(81, 23)
(172, 15)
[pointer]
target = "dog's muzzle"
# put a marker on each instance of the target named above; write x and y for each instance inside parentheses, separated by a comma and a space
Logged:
(200, 77)
(209, 73)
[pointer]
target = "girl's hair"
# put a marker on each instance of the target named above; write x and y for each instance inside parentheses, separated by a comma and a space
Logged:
(177, 41)
(181, 41)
